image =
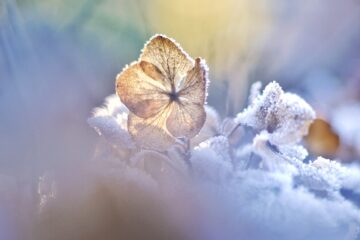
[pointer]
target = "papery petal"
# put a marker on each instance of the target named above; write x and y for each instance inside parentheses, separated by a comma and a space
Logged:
(186, 119)
(140, 93)
(154, 73)
(150, 133)
(168, 57)
(194, 87)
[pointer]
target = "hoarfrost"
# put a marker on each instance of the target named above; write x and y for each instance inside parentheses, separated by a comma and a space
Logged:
(284, 115)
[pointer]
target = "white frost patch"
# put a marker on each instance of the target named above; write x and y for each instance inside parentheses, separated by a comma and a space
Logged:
(211, 160)
(110, 121)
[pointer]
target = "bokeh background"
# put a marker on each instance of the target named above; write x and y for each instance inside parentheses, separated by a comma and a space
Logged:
(59, 59)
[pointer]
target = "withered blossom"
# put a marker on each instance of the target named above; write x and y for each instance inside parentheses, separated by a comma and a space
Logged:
(165, 91)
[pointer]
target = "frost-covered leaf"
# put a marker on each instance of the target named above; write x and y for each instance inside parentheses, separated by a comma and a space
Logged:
(293, 116)
(260, 114)
(285, 116)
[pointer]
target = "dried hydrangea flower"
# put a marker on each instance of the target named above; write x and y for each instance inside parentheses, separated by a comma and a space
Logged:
(165, 91)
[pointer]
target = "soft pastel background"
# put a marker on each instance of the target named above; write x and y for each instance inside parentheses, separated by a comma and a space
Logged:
(59, 59)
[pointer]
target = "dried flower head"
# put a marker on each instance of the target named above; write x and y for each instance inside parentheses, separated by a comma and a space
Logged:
(165, 91)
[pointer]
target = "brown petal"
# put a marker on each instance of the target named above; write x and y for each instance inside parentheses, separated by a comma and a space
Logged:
(186, 119)
(154, 72)
(151, 133)
(141, 94)
(167, 56)
(193, 89)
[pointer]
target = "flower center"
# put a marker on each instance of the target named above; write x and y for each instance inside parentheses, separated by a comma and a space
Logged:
(174, 96)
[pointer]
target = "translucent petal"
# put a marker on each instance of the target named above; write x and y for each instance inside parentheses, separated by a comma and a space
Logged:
(188, 115)
(143, 95)
(168, 57)
(154, 73)
(186, 119)
(147, 86)
(151, 132)
(193, 89)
